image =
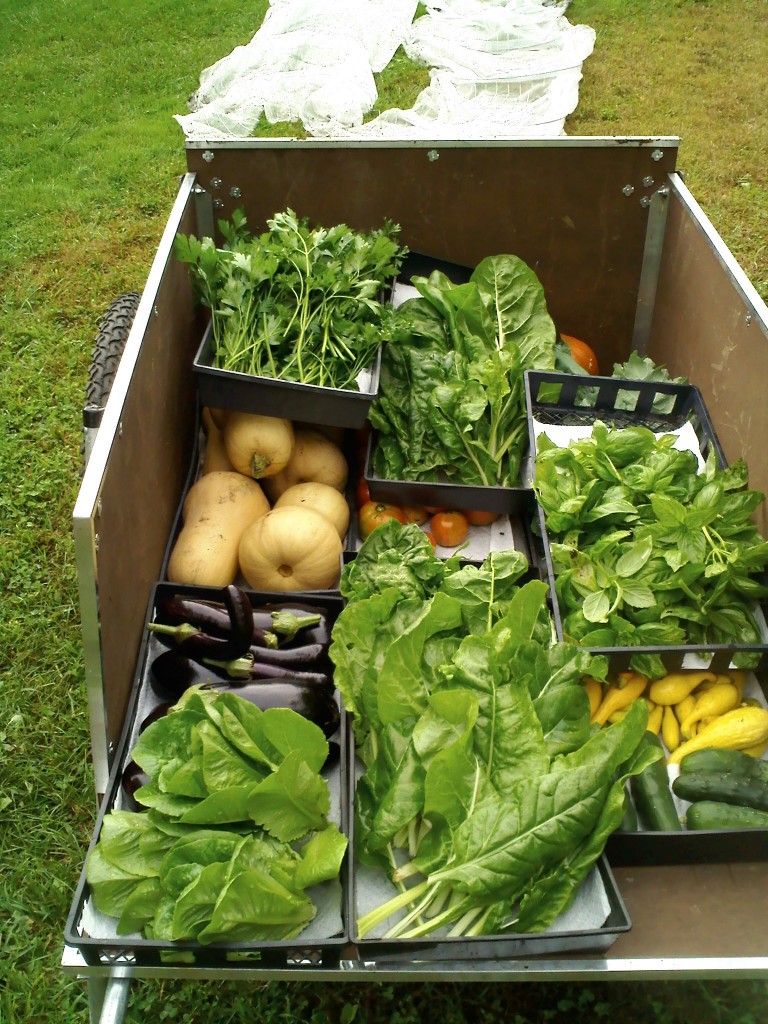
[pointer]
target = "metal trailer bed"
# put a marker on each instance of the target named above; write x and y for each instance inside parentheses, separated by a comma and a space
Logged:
(623, 250)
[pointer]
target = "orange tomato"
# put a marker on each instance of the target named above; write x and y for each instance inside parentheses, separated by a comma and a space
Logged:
(362, 493)
(480, 518)
(582, 353)
(449, 528)
(414, 514)
(432, 509)
(430, 538)
(376, 513)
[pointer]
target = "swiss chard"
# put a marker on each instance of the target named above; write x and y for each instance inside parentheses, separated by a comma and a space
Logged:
(451, 403)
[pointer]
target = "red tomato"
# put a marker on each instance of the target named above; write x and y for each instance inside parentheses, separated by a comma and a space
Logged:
(432, 509)
(376, 513)
(415, 514)
(479, 518)
(363, 493)
(582, 353)
(449, 528)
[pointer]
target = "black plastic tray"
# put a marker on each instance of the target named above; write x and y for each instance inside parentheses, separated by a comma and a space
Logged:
(491, 947)
(645, 847)
(504, 500)
(322, 952)
(333, 407)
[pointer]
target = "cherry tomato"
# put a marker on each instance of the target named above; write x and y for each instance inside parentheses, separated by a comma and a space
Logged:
(363, 493)
(480, 518)
(582, 353)
(449, 528)
(415, 514)
(376, 513)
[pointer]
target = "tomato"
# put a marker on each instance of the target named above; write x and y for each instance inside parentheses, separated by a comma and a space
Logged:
(376, 513)
(432, 509)
(363, 494)
(582, 353)
(449, 528)
(430, 538)
(415, 514)
(479, 518)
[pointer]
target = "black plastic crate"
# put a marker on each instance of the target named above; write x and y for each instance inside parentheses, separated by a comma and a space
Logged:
(269, 396)
(110, 950)
(552, 399)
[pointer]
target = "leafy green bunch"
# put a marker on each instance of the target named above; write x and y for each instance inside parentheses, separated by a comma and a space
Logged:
(646, 548)
(451, 402)
(295, 303)
(235, 829)
(486, 796)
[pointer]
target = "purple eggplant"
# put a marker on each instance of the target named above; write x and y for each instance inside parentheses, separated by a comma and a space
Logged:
(160, 711)
(172, 672)
(287, 621)
(312, 702)
(198, 642)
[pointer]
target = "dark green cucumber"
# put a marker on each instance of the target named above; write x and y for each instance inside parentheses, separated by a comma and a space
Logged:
(629, 821)
(711, 814)
(724, 762)
(652, 795)
(741, 790)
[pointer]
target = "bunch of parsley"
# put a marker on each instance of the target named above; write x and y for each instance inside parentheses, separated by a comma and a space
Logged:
(295, 303)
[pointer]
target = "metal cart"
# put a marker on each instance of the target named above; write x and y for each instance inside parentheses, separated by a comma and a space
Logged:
(627, 259)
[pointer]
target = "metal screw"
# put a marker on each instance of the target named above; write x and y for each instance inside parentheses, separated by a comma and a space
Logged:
(218, 204)
(120, 429)
(645, 201)
(657, 154)
(433, 155)
(208, 156)
(647, 181)
(99, 507)
(235, 192)
(95, 542)
(155, 312)
(628, 190)
(215, 182)
(748, 319)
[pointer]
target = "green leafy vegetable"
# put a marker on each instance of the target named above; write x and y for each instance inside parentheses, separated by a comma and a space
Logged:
(451, 403)
(222, 864)
(295, 303)
(647, 549)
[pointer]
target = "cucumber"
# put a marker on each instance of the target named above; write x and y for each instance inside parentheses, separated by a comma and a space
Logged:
(652, 795)
(724, 762)
(711, 814)
(728, 789)
(629, 820)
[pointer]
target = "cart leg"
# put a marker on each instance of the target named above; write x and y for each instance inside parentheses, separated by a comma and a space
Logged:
(108, 999)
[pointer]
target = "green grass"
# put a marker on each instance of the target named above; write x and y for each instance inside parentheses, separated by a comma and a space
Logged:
(90, 161)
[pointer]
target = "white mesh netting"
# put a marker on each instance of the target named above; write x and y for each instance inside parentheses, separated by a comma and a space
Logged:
(497, 68)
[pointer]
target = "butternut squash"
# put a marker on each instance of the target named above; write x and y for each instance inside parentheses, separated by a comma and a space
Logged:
(323, 499)
(258, 446)
(217, 509)
(215, 458)
(291, 548)
(315, 459)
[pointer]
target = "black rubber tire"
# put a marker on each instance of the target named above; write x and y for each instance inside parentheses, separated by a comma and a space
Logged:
(108, 348)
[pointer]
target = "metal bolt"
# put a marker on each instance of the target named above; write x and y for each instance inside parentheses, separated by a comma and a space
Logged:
(748, 319)
(645, 201)
(663, 191)
(95, 542)
(433, 155)
(628, 190)
(215, 182)
(99, 507)
(647, 181)
(155, 312)
(120, 429)
(657, 154)
(235, 192)
(208, 156)
(218, 204)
